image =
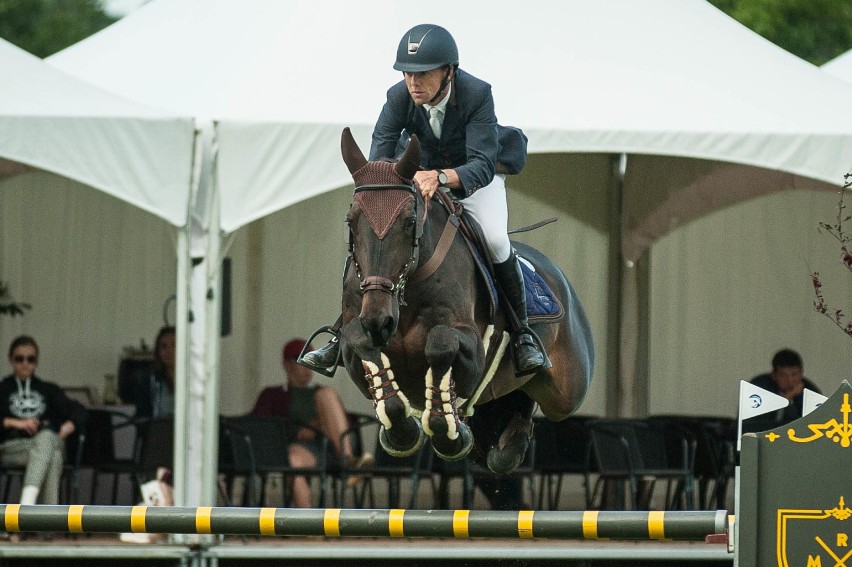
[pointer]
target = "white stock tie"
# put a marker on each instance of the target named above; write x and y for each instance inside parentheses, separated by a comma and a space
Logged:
(435, 121)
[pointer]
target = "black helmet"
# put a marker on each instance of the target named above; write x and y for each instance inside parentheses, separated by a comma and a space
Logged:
(425, 47)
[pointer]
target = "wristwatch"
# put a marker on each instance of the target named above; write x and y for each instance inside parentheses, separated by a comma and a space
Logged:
(442, 178)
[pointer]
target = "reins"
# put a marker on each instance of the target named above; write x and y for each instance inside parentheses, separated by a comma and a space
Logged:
(448, 234)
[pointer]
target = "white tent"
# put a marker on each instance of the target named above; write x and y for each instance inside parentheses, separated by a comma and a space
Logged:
(664, 78)
(56, 122)
(840, 66)
(86, 137)
(706, 113)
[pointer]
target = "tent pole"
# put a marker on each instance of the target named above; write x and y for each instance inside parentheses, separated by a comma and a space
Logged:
(210, 444)
(614, 388)
(641, 392)
(182, 322)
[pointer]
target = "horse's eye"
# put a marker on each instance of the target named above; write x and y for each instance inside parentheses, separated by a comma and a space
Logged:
(410, 223)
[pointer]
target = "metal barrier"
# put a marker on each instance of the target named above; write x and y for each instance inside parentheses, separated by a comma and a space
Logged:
(334, 522)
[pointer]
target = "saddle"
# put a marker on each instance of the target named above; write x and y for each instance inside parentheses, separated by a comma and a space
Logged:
(541, 301)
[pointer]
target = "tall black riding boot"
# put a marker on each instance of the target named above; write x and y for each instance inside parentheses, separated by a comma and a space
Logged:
(526, 350)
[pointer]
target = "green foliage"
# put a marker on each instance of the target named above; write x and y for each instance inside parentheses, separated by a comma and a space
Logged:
(9, 307)
(815, 30)
(44, 27)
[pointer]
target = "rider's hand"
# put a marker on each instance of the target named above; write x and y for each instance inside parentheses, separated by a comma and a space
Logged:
(427, 182)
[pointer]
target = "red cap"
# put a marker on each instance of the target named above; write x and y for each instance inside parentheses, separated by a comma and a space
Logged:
(293, 348)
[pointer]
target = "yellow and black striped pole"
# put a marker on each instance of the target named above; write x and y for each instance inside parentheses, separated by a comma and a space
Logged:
(335, 522)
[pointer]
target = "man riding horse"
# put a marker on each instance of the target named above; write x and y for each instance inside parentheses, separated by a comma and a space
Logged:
(463, 149)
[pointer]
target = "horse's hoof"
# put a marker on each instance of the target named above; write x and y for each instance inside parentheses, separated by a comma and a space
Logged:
(466, 439)
(412, 438)
(510, 451)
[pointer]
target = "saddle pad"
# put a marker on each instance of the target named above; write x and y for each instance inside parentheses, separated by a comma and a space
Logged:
(541, 301)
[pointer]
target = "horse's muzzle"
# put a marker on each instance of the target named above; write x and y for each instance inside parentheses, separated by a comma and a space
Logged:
(379, 316)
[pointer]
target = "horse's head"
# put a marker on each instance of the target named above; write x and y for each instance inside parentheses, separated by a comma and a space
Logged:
(384, 229)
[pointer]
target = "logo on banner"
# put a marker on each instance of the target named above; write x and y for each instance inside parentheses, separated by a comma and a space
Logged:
(815, 538)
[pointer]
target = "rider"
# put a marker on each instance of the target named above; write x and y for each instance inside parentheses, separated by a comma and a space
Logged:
(452, 114)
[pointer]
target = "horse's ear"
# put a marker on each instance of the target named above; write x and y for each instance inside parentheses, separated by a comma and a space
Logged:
(409, 163)
(353, 157)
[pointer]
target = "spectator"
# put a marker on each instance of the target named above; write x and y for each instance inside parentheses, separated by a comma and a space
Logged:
(786, 379)
(317, 407)
(153, 393)
(37, 418)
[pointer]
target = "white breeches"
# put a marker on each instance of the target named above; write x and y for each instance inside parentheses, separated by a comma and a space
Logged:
(488, 206)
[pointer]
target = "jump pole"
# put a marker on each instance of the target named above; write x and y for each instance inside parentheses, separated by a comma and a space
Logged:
(336, 522)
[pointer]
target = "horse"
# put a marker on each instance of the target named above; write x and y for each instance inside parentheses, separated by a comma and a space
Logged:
(418, 320)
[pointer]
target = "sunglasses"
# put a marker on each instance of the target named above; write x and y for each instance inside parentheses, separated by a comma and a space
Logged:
(19, 358)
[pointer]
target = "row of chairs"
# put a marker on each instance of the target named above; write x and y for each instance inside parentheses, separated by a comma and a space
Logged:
(621, 462)
(618, 462)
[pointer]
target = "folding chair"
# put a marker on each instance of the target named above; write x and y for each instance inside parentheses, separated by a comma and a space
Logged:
(562, 448)
(637, 454)
(260, 445)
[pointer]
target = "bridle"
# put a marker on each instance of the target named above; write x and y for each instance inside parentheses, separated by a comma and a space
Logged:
(381, 283)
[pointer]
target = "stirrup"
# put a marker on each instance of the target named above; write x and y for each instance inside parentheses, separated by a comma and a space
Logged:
(329, 371)
(546, 364)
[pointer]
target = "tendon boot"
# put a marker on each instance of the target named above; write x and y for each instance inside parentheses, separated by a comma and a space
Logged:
(324, 359)
(527, 353)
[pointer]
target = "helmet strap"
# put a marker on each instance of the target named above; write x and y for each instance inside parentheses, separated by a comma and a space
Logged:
(444, 82)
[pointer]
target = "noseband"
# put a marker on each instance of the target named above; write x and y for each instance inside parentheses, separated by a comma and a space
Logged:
(382, 204)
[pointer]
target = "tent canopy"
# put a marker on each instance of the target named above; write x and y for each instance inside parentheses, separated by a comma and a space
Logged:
(840, 66)
(656, 78)
(52, 121)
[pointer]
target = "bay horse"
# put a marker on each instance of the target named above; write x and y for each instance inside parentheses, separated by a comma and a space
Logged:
(417, 322)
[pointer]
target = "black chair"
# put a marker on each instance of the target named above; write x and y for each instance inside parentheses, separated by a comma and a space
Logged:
(100, 453)
(562, 448)
(638, 454)
(360, 479)
(259, 449)
(715, 441)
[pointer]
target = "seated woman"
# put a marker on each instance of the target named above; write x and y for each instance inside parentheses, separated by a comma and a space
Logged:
(37, 417)
(153, 392)
(319, 407)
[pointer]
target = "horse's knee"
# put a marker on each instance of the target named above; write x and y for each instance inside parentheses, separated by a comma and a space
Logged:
(442, 345)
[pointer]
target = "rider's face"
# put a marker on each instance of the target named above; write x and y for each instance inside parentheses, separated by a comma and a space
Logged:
(425, 85)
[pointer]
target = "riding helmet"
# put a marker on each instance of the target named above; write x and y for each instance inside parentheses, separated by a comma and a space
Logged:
(425, 47)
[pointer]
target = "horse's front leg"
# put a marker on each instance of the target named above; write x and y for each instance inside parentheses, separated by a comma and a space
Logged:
(401, 433)
(455, 356)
